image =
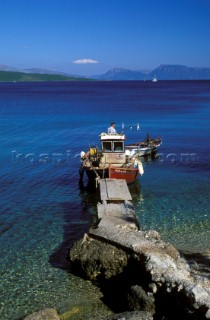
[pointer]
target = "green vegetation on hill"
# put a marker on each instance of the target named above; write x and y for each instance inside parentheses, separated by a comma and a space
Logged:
(9, 76)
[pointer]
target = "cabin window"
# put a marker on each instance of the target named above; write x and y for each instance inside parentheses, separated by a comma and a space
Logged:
(107, 146)
(118, 146)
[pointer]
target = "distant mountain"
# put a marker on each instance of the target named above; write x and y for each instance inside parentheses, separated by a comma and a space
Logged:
(179, 72)
(163, 72)
(120, 74)
(8, 68)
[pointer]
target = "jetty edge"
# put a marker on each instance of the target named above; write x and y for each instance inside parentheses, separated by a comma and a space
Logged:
(136, 270)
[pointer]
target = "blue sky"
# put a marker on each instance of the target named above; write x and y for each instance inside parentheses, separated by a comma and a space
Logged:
(91, 37)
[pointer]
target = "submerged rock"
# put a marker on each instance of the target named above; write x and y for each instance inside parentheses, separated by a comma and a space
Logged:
(46, 314)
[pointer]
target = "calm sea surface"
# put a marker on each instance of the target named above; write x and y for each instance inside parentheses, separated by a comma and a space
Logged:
(44, 127)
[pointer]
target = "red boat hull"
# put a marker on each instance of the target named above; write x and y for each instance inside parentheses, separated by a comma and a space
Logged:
(128, 174)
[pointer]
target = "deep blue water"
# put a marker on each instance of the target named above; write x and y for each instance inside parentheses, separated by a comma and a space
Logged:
(44, 126)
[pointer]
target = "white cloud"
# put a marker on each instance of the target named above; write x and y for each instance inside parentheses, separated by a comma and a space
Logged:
(85, 61)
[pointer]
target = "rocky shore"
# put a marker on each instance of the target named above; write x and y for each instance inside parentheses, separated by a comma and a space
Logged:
(137, 271)
(141, 276)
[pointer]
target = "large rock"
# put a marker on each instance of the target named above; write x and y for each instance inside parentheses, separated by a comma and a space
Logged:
(148, 262)
(96, 259)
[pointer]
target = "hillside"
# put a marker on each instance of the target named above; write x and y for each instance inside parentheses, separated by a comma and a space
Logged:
(9, 76)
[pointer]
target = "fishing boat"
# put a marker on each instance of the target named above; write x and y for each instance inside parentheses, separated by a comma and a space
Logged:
(144, 148)
(111, 160)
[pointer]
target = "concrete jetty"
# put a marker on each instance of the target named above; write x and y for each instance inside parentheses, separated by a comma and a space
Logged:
(134, 268)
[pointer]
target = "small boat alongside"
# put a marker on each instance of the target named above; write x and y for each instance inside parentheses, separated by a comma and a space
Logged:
(111, 161)
(144, 148)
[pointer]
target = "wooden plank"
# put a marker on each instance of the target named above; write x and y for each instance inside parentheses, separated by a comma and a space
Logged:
(113, 190)
(103, 190)
(117, 189)
(124, 191)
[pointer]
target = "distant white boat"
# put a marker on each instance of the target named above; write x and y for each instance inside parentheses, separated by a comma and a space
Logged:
(154, 79)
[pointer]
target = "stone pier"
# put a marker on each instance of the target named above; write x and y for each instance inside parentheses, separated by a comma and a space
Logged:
(136, 270)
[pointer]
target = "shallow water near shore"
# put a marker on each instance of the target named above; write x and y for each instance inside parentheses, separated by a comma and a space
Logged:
(44, 127)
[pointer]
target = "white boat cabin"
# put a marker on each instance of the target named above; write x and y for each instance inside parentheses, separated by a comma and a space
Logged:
(113, 147)
(112, 142)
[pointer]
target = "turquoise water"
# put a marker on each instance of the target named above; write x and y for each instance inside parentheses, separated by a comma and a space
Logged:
(44, 126)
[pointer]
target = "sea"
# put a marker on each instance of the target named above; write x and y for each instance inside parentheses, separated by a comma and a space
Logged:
(44, 209)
